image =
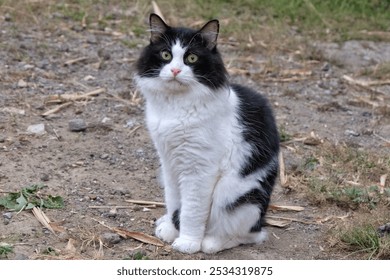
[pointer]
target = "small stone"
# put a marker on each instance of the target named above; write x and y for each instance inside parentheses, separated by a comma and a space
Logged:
(28, 67)
(325, 67)
(45, 177)
(77, 125)
(22, 84)
(36, 129)
(110, 238)
(104, 156)
(92, 39)
(7, 215)
(105, 55)
(7, 17)
(351, 133)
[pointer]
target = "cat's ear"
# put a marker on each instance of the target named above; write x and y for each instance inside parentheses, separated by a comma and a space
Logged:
(157, 27)
(210, 32)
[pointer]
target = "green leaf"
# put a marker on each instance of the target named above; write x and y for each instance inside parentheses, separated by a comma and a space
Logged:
(54, 202)
(27, 198)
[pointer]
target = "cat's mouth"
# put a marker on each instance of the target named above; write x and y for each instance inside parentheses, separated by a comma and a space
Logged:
(175, 81)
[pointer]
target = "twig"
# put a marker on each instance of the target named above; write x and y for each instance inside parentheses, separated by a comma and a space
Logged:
(76, 60)
(57, 109)
(282, 172)
(382, 138)
(134, 130)
(75, 97)
(365, 83)
(145, 202)
(291, 219)
(286, 208)
(111, 206)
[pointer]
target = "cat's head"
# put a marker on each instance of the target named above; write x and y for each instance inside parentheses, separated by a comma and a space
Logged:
(181, 58)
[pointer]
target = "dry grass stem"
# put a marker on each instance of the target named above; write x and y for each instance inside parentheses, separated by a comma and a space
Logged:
(145, 202)
(76, 60)
(57, 109)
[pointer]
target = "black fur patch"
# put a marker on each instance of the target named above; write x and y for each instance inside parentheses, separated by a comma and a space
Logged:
(257, 197)
(260, 131)
(209, 69)
(176, 219)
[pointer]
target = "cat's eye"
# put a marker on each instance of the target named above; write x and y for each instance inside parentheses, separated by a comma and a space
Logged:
(166, 55)
(192, 58)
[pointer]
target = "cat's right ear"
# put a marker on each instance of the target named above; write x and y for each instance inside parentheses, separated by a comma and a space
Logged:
(157, 27)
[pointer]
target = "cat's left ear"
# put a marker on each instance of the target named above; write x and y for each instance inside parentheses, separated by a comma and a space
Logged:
(210, 32)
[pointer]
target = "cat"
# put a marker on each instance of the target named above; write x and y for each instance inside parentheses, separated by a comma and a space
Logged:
(217, 142)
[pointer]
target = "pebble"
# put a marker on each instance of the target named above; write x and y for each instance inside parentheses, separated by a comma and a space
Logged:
(104, 156)
(22, 84)
(77, 125)
(36, 129)
(7, 17)
(45, 177)
(92, 40)
(110, 238)
(351, 133)
(7, 215)
(325, 67)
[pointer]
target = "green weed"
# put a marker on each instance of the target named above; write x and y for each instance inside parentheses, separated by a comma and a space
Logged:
(365, 239)
(5, 249)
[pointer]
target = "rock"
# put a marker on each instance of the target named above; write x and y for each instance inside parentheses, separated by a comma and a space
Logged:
(7, 215)
(110, 238)
(104, 156)
(77, 125)
(45, 177)
(351, 133)
(22, 84)
(92, 39)
(7, 17)
(37, 129)
(325, 67)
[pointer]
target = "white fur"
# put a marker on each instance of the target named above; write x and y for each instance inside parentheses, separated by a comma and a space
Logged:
(199, 142)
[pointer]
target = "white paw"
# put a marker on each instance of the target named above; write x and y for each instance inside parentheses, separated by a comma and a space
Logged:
(165, 230)
(187, 245)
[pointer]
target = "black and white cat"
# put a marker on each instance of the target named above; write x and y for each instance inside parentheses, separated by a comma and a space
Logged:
(217, 142)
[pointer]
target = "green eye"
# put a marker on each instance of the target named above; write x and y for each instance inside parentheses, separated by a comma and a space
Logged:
(192, 58)
(166, 55)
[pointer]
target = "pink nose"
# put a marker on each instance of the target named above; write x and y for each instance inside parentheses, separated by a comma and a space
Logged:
(175, 71)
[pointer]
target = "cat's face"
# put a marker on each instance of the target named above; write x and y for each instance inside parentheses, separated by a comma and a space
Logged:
(180, 58)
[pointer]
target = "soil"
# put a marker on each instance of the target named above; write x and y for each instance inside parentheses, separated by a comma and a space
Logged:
(112, 159)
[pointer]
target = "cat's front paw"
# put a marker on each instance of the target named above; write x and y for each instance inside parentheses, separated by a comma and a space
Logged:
(187, 245)
(165, 230)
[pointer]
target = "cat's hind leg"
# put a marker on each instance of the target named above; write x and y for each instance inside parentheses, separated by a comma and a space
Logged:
(228, 229)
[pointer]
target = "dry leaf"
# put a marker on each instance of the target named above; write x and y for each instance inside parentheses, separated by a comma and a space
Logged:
(42, 218)
(277, 223)
(143, 237)
(70, 247)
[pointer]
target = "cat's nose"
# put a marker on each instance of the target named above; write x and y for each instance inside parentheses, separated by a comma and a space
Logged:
(175, 71)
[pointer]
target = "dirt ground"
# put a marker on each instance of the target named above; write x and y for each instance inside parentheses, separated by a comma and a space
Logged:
(113, 160)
